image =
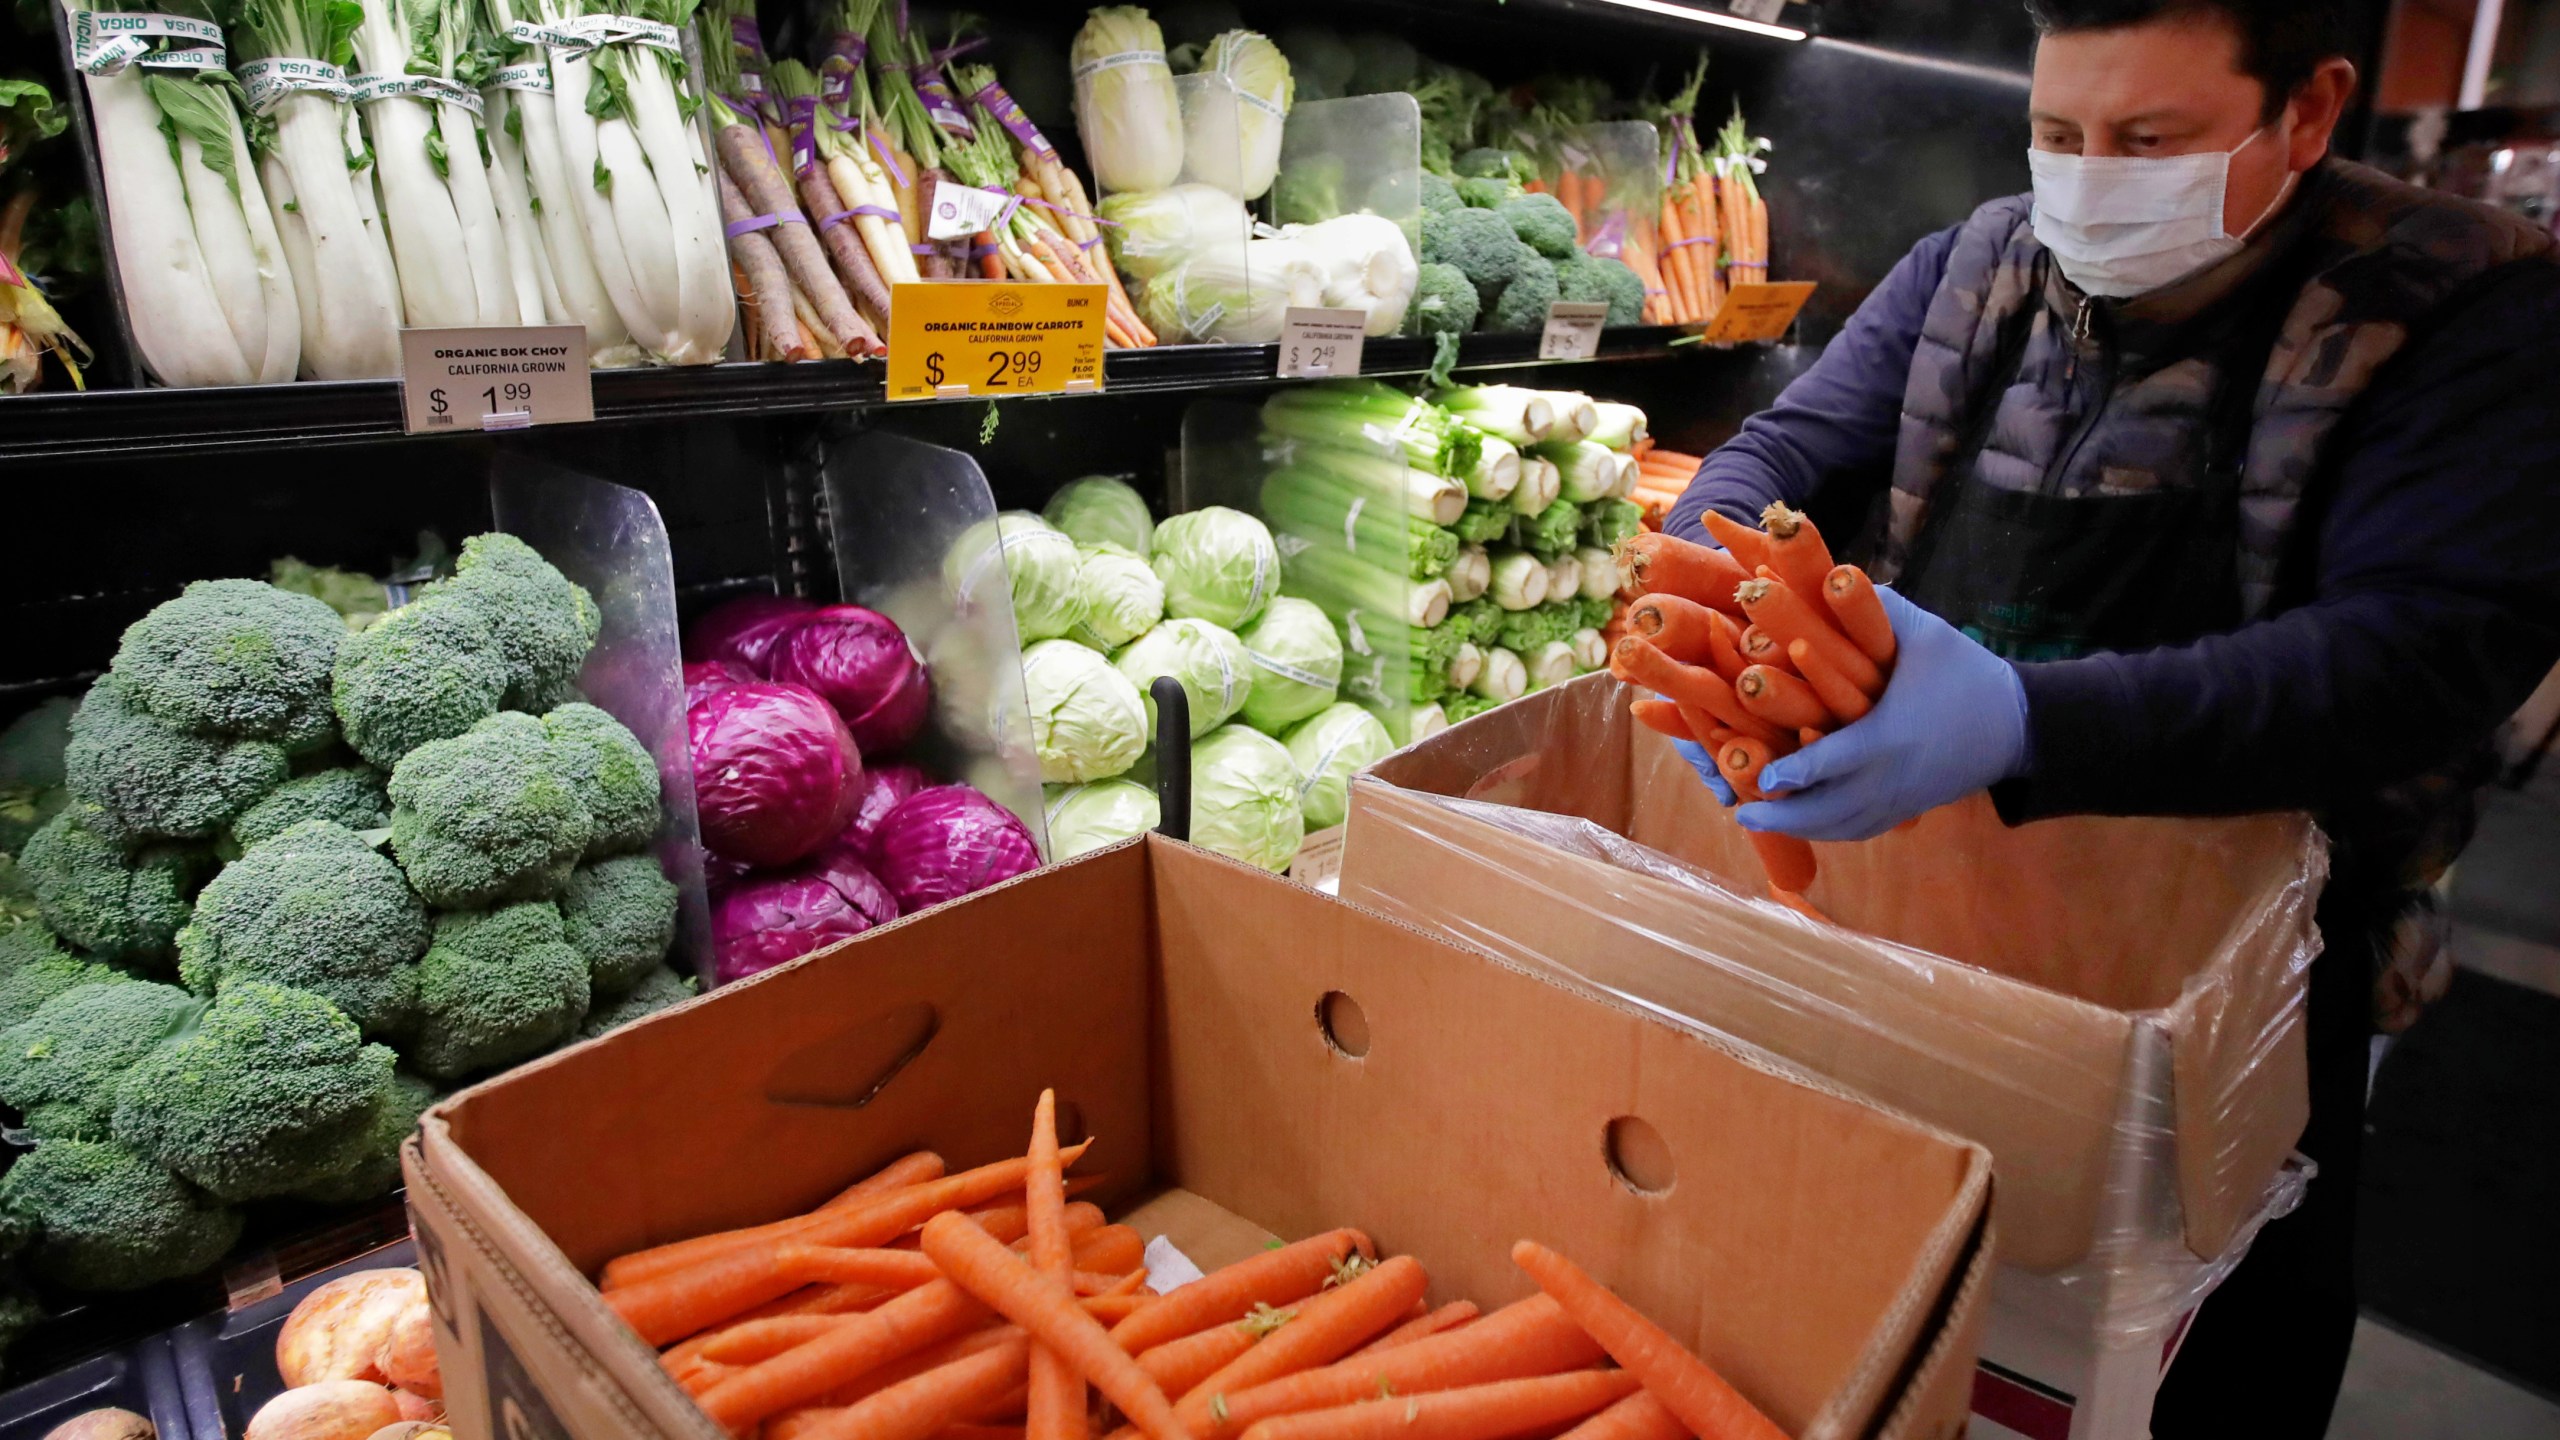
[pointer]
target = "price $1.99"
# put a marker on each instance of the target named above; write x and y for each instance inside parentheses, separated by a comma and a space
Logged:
(1006, 369)
(513, 395)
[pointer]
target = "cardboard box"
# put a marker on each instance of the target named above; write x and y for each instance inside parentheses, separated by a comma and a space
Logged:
(1252, 1057)
(1990, 980)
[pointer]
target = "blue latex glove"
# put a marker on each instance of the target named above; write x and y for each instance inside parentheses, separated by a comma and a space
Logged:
(1705, 764)
(1953, 721)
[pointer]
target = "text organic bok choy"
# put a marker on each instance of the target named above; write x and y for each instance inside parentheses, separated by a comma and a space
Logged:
(206, 281)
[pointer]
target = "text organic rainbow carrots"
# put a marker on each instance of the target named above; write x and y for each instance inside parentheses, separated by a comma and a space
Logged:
(1687, 1386)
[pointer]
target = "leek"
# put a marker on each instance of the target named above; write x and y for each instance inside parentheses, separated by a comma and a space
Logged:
(1316, 508)
(1616, 426)
(1564, 576)
(1350, 588)
(1468, 663)
(1587, 472)
(1600, 577)
(1497, 471)
(1550, 664)
(320, 186)
(1504, 677)
(1470, 574)
(1590, 648)
(1364, 414)
(1517, 415)
(1607, 524)
(1540, 485)
(1519, 580)
(1550, 532)
(1576, 416)
(1482, 520)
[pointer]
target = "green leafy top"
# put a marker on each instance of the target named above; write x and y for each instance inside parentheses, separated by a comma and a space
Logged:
(322, 30)
(27, 114)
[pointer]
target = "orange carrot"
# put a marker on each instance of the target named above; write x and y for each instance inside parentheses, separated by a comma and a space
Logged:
(1781, 699)
(914, 1409)
(1759, 647)
(1112, 1309)
(1178, 1365)
(1788, 617)
(1328, 1326)
(1677, 625)
(1748, 547)
(749, 1341)
(1685, 1384)
(1638, 1417)
(672, 1307)
(1479, 1412)
(1664, 565)
(1000, 1280)
(1788, 860)
(1725, 647)
(1132, 1283)
(1807, 736)
(1675, 275)
(1852, 598)
(1662, 717)
(1056, 1406)
(906, 1170)
(1531, 1337)
(1274, 1277)
(1636, 661)
(1421, 1327)
(1840, 695)
(1111, 1251)
(979, 1432)
(1796, 550)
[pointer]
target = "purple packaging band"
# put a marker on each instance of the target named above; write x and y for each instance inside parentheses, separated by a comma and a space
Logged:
(880, 148)
(1692, 240)
(940, 105)
(1611, 240)
(991, 97)
(763, 222)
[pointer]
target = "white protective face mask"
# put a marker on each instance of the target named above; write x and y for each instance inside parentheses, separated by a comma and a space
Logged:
(2125, 225)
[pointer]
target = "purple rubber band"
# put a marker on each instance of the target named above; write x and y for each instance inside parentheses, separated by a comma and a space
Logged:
(762, 222)
(1692, 240)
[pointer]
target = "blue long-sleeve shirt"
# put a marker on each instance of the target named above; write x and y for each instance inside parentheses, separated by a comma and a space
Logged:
(2429, 611)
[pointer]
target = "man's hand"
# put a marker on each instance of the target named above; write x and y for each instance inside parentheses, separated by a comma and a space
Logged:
(1953, 721)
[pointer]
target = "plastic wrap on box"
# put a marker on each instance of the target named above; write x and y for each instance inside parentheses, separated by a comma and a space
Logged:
(2114, 1007)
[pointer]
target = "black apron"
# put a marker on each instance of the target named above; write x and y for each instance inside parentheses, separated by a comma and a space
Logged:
(2033, 576)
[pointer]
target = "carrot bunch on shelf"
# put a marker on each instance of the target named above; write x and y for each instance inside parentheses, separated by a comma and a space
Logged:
(1753, 651)
(1745, 217)
(1661, 476)
(988, 1306)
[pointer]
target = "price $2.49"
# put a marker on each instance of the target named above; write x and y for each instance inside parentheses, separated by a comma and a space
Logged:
(513, 395)
(1006, 369)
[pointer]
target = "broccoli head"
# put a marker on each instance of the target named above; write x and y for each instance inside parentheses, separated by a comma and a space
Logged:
(259, 1097)
(616, 778)
(59, 1066)
(150, 780)
(1489, 163)
(1542, 223)
(1489, 192)
(108, 1219)
(1438, 194)
(498, 986)
(117, 906)
(621, 915)
(1601, 278)
(544, 623)
(1444, 302)
(317, 909)
(31, 788)
(1524, 301)
(488, 815)
(34, 968)
(429, 670)
(656, 991)
(1479, 243)
(349, 795)
(238, 658)
(368, 1164)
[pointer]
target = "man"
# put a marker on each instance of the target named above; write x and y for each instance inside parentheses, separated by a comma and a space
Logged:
(2217, 475)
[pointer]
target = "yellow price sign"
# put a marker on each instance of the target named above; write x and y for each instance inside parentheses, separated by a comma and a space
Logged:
(1757, 311)
(951, 338)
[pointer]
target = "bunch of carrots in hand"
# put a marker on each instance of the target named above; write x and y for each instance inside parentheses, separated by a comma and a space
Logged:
(1752, 651)
(989, 1306)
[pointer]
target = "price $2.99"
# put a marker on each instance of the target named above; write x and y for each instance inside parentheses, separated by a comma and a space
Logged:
(513, 395)
(1005, 369)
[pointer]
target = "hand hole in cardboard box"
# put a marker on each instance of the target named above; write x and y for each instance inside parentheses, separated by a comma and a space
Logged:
(850, 1068)
(1639, 1156)
(1344, 1023)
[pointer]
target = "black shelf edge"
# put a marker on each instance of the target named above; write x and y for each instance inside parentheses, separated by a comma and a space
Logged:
(123, 424)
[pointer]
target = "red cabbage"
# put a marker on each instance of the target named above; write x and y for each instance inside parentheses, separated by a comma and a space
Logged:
(884, 788)
(861, 662)
(945, 842)
(744, 629)
(705, 678)
(766, 920)
(775, 774)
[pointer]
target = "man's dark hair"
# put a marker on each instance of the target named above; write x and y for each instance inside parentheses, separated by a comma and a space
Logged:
(2281, 41)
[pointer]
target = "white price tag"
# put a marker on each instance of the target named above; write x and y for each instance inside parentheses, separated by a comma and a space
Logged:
(1316, 343)
(1573, 330)
(960, 211)
(496, 377)
(1764, 11)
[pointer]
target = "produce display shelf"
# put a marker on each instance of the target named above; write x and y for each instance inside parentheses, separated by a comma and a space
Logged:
(58, 425)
